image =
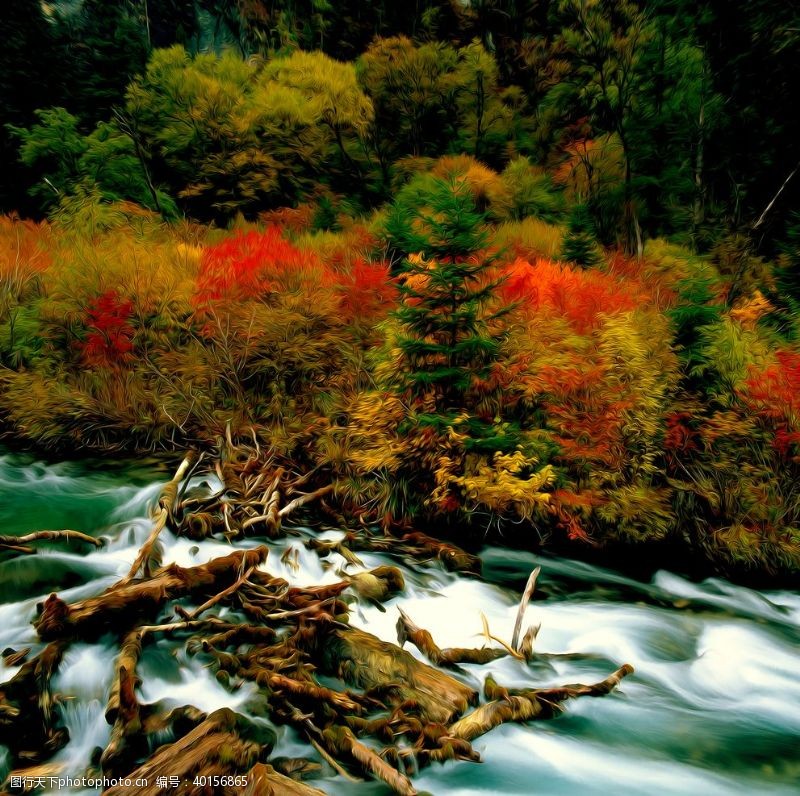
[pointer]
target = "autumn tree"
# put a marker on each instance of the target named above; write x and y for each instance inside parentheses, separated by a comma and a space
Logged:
(232, 136)
(605, 44)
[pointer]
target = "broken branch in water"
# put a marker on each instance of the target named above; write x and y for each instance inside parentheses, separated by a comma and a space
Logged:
(166, 504)
(523, 604)
(128, 602)
(19, 543)
(423, 641)
(525, 705)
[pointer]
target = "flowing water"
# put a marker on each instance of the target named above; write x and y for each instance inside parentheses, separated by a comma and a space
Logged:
(713, 707)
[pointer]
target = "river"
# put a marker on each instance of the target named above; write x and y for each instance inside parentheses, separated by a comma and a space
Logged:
(713, 706)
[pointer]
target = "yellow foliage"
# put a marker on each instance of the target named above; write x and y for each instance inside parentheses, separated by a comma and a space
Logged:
(645, 370)
(638, 511)
(500, 485)
(673, 264)
(372, 439)
(749, 311)
(530, 237)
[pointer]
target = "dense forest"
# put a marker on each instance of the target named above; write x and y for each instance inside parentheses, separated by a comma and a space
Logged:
(517, 270)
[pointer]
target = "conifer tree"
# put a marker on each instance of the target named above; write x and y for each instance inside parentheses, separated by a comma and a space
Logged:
(445, 319)
(580, 244)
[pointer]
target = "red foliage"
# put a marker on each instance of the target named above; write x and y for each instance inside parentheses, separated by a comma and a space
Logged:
(293, 219)
(584, 412)
(774, 391)
(110, 338)
(680, 437)
(773, 394)
(354, 246)
(255, 264)
(367, 291)
(577, 295)
(656, 288)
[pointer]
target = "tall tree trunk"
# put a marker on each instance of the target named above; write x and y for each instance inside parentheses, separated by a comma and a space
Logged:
(698, 214)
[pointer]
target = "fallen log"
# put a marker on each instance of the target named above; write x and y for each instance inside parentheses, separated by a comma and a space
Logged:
(340, 742)
(224, 745)
(14, 542)
(129, 602)
(526, 705)
(364, 661)
(450, 657)
(264, 780)
(453, 557)
(166, 504)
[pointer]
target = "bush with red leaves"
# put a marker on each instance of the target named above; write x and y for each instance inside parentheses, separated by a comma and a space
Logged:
(109, 341)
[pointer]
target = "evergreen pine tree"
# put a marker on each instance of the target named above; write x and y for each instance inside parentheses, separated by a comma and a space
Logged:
(444, 317)
(580, 244)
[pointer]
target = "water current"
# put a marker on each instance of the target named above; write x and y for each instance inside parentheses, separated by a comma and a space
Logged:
(713, 706)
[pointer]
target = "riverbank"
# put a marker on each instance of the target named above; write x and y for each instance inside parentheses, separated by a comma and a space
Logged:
(622, 405)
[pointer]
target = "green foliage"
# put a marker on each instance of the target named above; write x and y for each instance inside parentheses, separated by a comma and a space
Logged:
(580, 244)
(229, 136)
(531, 192)
(435, 218)
(443, 334)
(74, 168)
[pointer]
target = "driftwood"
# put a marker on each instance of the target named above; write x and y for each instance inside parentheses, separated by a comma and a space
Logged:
(525, 705)
(281, 638)
(264, 780)
(423, 641)
(131, 601)
(28, 722)
(216, 747)
(341, 742)
(165, 507)
(366, 662)
(523, 604)
(410, 545)
(19, 543)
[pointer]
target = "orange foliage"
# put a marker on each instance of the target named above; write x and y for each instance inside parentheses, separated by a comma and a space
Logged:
(577, 295)
(255, 264)
(292, 219)
(773, 394)
(367, 291)
(23, 255)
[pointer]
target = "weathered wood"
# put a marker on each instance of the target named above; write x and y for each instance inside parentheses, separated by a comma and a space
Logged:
(527, 704)
(166, 504)
(341, 742)
(366, 662)
(264, 780)
(49, 536)
(423, 641)
(213, 748)
(523, 604)
(129, 602)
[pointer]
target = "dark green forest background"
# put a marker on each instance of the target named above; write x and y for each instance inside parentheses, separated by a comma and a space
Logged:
(702, 97)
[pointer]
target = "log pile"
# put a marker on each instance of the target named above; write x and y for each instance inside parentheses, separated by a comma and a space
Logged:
(390, 713)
